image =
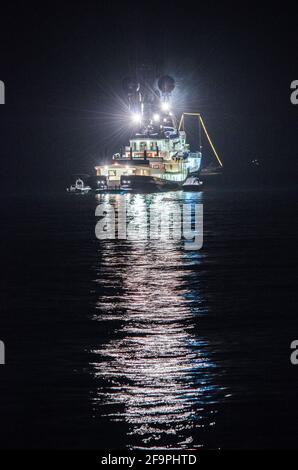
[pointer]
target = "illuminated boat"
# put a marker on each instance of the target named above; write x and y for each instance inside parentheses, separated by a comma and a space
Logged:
(157, 156)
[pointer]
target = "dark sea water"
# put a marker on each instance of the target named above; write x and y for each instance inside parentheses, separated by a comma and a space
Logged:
(143, 344)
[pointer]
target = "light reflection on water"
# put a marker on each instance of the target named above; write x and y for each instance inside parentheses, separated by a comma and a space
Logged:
(155, 371)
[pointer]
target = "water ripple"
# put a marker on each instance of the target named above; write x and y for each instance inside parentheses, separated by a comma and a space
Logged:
(154, 372)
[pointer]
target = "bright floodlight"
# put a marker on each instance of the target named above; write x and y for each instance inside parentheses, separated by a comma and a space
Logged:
(165, 106)
(156, 117)
(136, 118)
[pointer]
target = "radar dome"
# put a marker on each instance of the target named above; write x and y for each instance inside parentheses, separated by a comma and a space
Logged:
(166, 84)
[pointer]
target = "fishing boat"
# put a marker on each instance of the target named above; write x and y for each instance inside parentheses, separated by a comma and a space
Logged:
(157, 156)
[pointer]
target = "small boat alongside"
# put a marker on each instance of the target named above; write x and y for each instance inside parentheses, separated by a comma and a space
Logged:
(192, 183)
(101, 184)
(79, 187)
(125, 183)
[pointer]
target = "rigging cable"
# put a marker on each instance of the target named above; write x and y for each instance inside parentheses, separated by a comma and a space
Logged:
(205, 130)
(209, 140)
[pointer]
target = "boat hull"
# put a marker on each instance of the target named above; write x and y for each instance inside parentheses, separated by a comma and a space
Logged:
(193, 189)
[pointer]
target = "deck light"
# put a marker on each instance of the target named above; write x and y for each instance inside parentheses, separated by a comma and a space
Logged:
(136, 118)
(165, 106)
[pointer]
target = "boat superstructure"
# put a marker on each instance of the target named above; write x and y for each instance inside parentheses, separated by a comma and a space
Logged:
(157, 152)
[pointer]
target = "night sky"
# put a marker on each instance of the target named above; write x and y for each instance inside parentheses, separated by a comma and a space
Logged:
(63, 66)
